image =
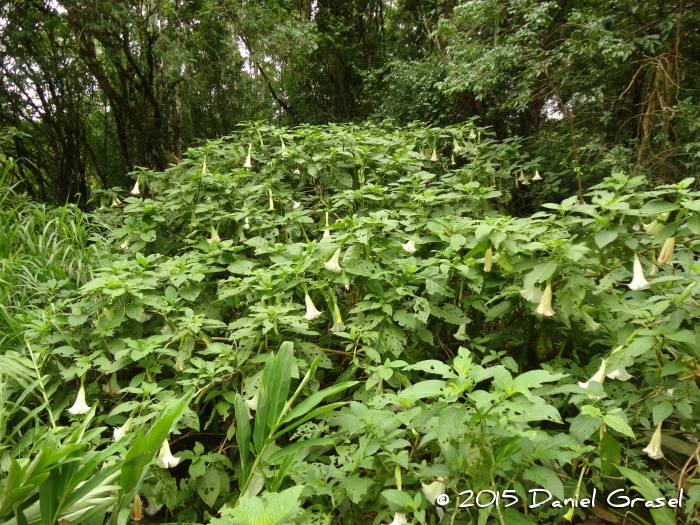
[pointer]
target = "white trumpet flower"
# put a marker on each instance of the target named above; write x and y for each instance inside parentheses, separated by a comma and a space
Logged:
(399, 519)
(532, 294)
(311, 311)
(455, 146)
(284, 149)
(248, 163)
(488, 259)
(326, 232)
(111, 387)
(434, 156)
(591, 325)
(410, 246)
(620, 374)
(338, 325)
(179, 365)
(333, 265)
(655, 226)
(166, 457)
(135, 190)
(80, 406)
(116, 203)
(153, 506)
(667, 251)
(638, 280)
(297, 205)
(120, 432)
(654, 447)
(433, 490)
(103, 205)
(461, 334)
(214, 236)
(472, 135)
(246, 224)
(124, 245)
(545, 306)
(599, 376)
(536, 176)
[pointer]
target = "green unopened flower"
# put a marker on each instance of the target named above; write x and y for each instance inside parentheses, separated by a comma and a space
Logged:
(326, 232)
(179, 364)
(272, 204)
(569, 515)
(638, 280)
(667, 251)
(657, 224)
(545, 306)
(111, 388)
(654, 447)
(333, 265)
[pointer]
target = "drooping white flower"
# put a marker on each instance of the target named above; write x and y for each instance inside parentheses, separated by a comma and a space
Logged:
(297, 205)
(488, 259)
(284, 148)
(599, 376)
(116, 203)
(532, 294)
(667, 251)
(409, 246)
(326, 232)
(619, 374)
(545, 306)
(153, 506)
(434, 156)
(399, 519)
(246, 224)
(111, 387)
(248, 163)
(124, 245)
(638, 280)
(103, 204)
(433, 490)
(461, 334)
(591, 325)
(654, 447)
(655, 226)
(214, 236)
(272, 203)
(179, 365)
(135, 190)
(338, 325)
(167, 459)
(536, 177)
(120, 432)
(311, 311)
(80, 406)
(455, 146)
(333, 265)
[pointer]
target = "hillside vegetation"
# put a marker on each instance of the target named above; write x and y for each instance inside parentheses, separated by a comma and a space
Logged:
(337, 324)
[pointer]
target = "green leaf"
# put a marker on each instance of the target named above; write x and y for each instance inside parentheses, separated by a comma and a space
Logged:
(547, 480)
(243, 435)
(398, 498)
(209, 486)
(618, 424)
(605, 237)
(662, 411)
(662, 515)
(539, 274)
(298, 445)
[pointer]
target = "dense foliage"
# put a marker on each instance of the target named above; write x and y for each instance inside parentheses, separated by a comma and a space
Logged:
(97, 88)
(337, 324)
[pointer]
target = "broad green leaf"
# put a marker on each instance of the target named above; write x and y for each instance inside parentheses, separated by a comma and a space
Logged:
(662, 515)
